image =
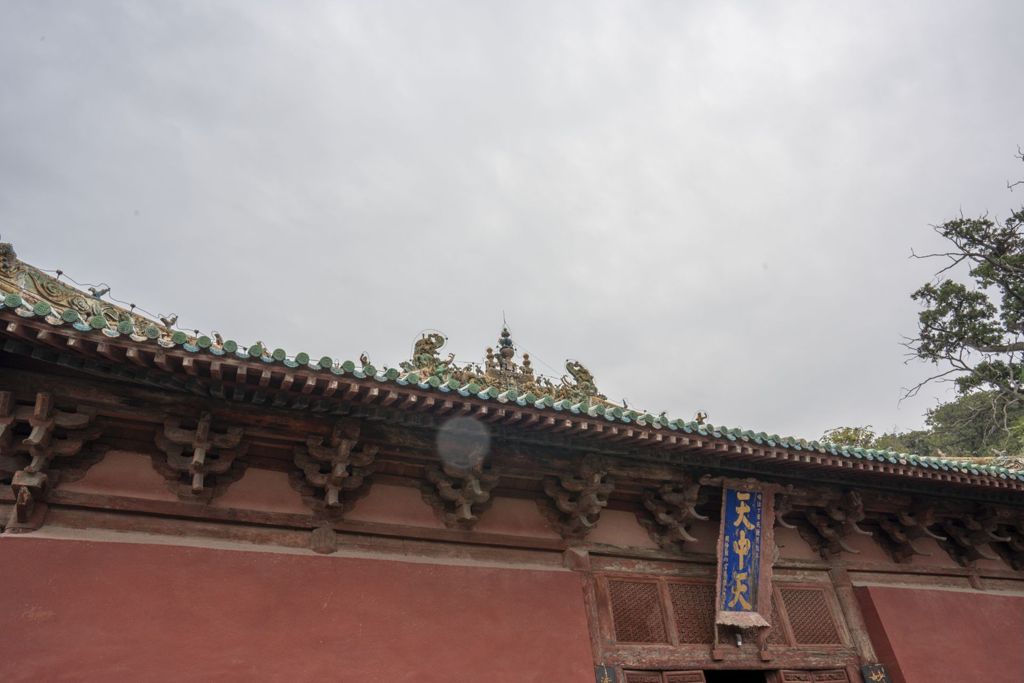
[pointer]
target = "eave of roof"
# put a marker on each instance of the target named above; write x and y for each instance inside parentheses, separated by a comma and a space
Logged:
(162, 338)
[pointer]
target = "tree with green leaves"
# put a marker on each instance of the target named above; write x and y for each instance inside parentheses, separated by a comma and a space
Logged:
(971, 326)
(857, 437)
(917, 441)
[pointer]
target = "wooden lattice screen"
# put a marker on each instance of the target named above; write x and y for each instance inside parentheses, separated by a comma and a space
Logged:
(693, 606)
(667, 677)
(637, 612)
(829, 676)
(685, 677)
(643, 609)
(809, 616)
(643, 677)
(777, 633)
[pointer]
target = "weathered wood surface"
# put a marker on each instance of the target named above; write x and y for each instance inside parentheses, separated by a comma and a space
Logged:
(188, 439)
(303, 388)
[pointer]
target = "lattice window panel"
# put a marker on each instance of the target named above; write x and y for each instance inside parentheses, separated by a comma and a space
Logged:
(777, 633)
(830, 676)
(642, 677)
(694, 608)
(796, 676)
(637, 612)
(809, 616)
(685, 677)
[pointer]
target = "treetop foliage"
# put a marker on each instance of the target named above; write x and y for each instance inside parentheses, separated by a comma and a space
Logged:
(971, 328)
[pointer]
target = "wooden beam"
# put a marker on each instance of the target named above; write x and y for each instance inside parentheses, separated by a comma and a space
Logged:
(161, 360)
(331, 388)
(135, 356)
(107, 351)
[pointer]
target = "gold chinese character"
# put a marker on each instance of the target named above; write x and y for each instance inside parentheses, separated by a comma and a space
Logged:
(741, 511)
(741, 546)
(877, 676)
(739, 589)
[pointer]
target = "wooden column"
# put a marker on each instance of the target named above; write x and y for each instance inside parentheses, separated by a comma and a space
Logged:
(851, 612)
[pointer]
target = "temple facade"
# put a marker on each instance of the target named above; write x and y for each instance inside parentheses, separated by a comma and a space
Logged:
(176, 505)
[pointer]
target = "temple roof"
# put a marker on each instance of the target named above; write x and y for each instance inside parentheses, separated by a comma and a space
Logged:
(33, 294)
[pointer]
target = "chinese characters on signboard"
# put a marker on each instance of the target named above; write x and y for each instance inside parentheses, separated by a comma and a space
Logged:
(741, 550)
(740, 559)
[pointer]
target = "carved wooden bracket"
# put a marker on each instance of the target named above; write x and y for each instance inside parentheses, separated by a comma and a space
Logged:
(901, 529)
(460, 489)
(783, 506)
(577, 501)
(333, 472)
(199, 464)
(672, 510)
(31, 461)
(837, 518)
(969, 534)
(1013, 549)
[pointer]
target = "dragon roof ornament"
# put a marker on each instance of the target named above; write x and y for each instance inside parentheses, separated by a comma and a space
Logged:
(501, 370)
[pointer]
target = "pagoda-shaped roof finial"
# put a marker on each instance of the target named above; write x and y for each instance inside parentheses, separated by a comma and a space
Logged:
(502, 373)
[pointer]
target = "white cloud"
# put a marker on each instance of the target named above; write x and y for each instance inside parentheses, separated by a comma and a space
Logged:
(711, 206)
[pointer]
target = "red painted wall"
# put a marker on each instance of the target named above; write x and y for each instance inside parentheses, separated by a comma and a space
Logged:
(88, 611)
(924, 636)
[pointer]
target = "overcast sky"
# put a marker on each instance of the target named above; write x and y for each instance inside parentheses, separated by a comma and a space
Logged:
(710, 205)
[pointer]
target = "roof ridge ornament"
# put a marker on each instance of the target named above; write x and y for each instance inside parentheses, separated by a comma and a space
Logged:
(502, 372)
(55, 298)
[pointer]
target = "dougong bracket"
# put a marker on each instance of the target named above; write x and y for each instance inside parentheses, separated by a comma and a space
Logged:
(460, 489)
(576, 501)
(836, 518)
(333, 471)
(31, 461)
(899, 531)
(199, 463)
(969, 536)
(671, 510)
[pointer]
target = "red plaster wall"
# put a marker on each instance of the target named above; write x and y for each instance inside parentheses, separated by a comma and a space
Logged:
(925, 636)
(90, 611)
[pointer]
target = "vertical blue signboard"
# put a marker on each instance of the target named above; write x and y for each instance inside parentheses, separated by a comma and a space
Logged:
(740, 561)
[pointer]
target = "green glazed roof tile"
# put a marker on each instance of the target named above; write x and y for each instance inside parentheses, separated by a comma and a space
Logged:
(143, 331)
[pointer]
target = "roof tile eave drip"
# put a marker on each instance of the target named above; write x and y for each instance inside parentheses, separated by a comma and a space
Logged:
(176, 339)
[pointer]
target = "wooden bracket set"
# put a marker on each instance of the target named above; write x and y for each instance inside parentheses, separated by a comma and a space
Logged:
(199, 463)
(30, 462)
(333, 473)
(576, 500)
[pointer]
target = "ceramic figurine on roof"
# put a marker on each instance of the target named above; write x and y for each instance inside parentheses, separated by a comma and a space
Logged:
(502, 372)
(425, 358)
